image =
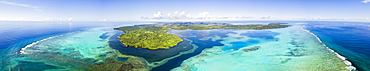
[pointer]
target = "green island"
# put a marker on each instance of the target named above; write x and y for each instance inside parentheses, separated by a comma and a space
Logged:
(155, 36)
(149, 37)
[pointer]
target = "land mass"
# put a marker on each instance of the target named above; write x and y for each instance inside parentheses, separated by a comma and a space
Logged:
(155, 36)
(149, 37)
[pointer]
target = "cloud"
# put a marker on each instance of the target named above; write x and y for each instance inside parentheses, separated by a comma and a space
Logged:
(204, 14)
(70, 19)
(157, 15)
(366, 1)
(63, 19)
(22, 5)
(177, 15)
(174, 15)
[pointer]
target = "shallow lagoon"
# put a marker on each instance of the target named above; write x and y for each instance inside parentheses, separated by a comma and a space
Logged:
(67, 51)
(279, 48)
(295, 50)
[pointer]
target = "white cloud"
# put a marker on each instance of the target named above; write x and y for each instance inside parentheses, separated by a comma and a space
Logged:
(47, 19)
(179, 15)
(70, 19)
(157, 15)
(64, 19)
(204, 14)
(174, 15)
(22, 5)
(366, 1)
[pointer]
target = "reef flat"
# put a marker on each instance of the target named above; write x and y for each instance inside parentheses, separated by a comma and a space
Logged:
(131, 63)
(287, 49)
(66, 52)
(155, 37)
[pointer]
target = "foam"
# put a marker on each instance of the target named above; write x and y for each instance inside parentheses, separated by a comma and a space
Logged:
(271, 56)
(345, 61)
(22, 51)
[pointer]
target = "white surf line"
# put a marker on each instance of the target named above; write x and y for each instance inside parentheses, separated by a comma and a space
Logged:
(344, 59)
(22, 51)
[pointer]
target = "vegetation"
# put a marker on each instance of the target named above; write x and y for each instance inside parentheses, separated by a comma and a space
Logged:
(149, 37)
(205, 26)
(111, 64)
(155, 36)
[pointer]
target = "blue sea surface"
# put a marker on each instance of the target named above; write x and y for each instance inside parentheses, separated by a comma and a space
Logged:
(238, 45)
(202, 44)
(15, 32)
(350, 39)
(16, 35)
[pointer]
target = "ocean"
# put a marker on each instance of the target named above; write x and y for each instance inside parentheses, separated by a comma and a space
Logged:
(349, 39)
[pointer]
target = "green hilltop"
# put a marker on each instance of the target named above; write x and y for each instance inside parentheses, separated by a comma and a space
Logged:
(156, 37)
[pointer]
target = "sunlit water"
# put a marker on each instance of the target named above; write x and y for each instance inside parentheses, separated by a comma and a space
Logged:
(54, 45)
(350, 39)
(77, 45)
(275, 49)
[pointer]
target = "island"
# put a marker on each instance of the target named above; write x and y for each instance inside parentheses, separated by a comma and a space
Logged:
(149, 37)
(155, 36)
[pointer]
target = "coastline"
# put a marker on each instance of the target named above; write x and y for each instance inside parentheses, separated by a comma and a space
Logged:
(291, 52)
(163, 61)
(22, 50)
(167, 59)
(63, 47)
(344, 59)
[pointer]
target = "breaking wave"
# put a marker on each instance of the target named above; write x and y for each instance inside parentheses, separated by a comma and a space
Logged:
(344, 59)
(22, 51)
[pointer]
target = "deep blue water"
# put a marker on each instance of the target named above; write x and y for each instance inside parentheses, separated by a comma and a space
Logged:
(149, 55)
(16, 35)
(176, 62)
(14, 32)
(238, 45)
(104, 36)
(203, 44)
(261, 34)
(350, 39)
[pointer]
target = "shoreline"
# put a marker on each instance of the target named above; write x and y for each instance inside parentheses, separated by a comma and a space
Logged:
(272, 55)
(22, 50)
(349, 66)
(163, 61)
(344, 59)
(152, 64)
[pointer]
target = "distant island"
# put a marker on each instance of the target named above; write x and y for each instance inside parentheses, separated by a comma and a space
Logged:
(155, 36)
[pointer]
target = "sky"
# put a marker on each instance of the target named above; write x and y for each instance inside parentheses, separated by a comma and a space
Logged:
(142, 10)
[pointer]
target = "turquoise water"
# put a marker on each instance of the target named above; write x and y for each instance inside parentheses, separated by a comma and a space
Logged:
(201, 45)
(350, 39)
(238, 45)
(75, 45)
(149, 55)
(305, 54)
(67, 51)
(122, 59)
(54, 45)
